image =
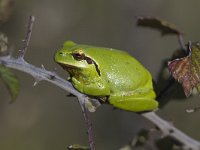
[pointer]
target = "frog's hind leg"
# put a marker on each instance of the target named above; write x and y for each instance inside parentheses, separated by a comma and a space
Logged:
(135, 104)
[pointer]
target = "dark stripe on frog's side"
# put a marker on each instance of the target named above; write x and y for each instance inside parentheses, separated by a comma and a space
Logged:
(91, 61)
(81, 56)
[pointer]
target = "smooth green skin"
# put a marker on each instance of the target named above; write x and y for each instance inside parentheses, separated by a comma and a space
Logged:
(109, 73)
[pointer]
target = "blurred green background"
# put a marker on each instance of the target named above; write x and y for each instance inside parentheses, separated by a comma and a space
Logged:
(43, 118)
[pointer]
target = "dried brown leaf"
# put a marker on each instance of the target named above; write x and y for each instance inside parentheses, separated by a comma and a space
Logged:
(153, 22)
(186, 70)
(6, 7)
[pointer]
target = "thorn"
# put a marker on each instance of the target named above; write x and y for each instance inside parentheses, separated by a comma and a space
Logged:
(189, 110)
(192, 110)
(37, 80)
(43, 66)
(55, 69)
(163, 135)
(153, 129)
(35, 83)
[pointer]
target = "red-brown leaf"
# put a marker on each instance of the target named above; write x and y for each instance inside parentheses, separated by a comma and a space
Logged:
(186, 70)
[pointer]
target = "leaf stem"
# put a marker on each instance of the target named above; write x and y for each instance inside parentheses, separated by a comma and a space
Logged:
(181, 42)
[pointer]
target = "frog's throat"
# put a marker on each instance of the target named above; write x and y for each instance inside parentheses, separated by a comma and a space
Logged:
(67, 67)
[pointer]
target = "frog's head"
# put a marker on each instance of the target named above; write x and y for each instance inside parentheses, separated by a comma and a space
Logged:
(73, 59)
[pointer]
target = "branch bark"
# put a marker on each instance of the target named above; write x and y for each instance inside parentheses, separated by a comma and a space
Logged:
(171, 131)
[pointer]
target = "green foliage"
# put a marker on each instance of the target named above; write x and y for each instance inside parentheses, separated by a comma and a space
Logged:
(6, 75)
(10, 80)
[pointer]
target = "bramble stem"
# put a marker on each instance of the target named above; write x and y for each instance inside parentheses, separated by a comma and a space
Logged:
(22, 52)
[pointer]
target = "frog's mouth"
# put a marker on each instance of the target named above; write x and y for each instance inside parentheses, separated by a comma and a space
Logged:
(67, 67)
(72, 70)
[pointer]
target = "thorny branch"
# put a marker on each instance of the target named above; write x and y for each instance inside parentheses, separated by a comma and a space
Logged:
(88, 123)
(28, 37)
(169, 130)
(41, 74)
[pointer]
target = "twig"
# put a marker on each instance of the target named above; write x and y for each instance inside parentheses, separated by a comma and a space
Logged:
(38, 73)
(87, 121)
(41, 74)
(181, 42)
(22, 52)
(169, 130)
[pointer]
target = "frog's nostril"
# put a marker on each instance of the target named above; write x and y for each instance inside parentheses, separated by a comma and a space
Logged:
(62, 54)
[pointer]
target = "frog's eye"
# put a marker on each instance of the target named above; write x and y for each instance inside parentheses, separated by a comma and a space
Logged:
(78, 56)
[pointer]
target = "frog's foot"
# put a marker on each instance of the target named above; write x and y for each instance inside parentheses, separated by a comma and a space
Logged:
(135, 104)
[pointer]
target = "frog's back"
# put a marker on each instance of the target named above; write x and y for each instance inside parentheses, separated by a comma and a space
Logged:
(122, 72)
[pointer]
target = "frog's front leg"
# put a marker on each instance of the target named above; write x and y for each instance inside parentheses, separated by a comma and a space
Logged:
(135, 104)
(98, 88)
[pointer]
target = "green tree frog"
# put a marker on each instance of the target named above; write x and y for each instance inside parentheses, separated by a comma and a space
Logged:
(108, 73)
